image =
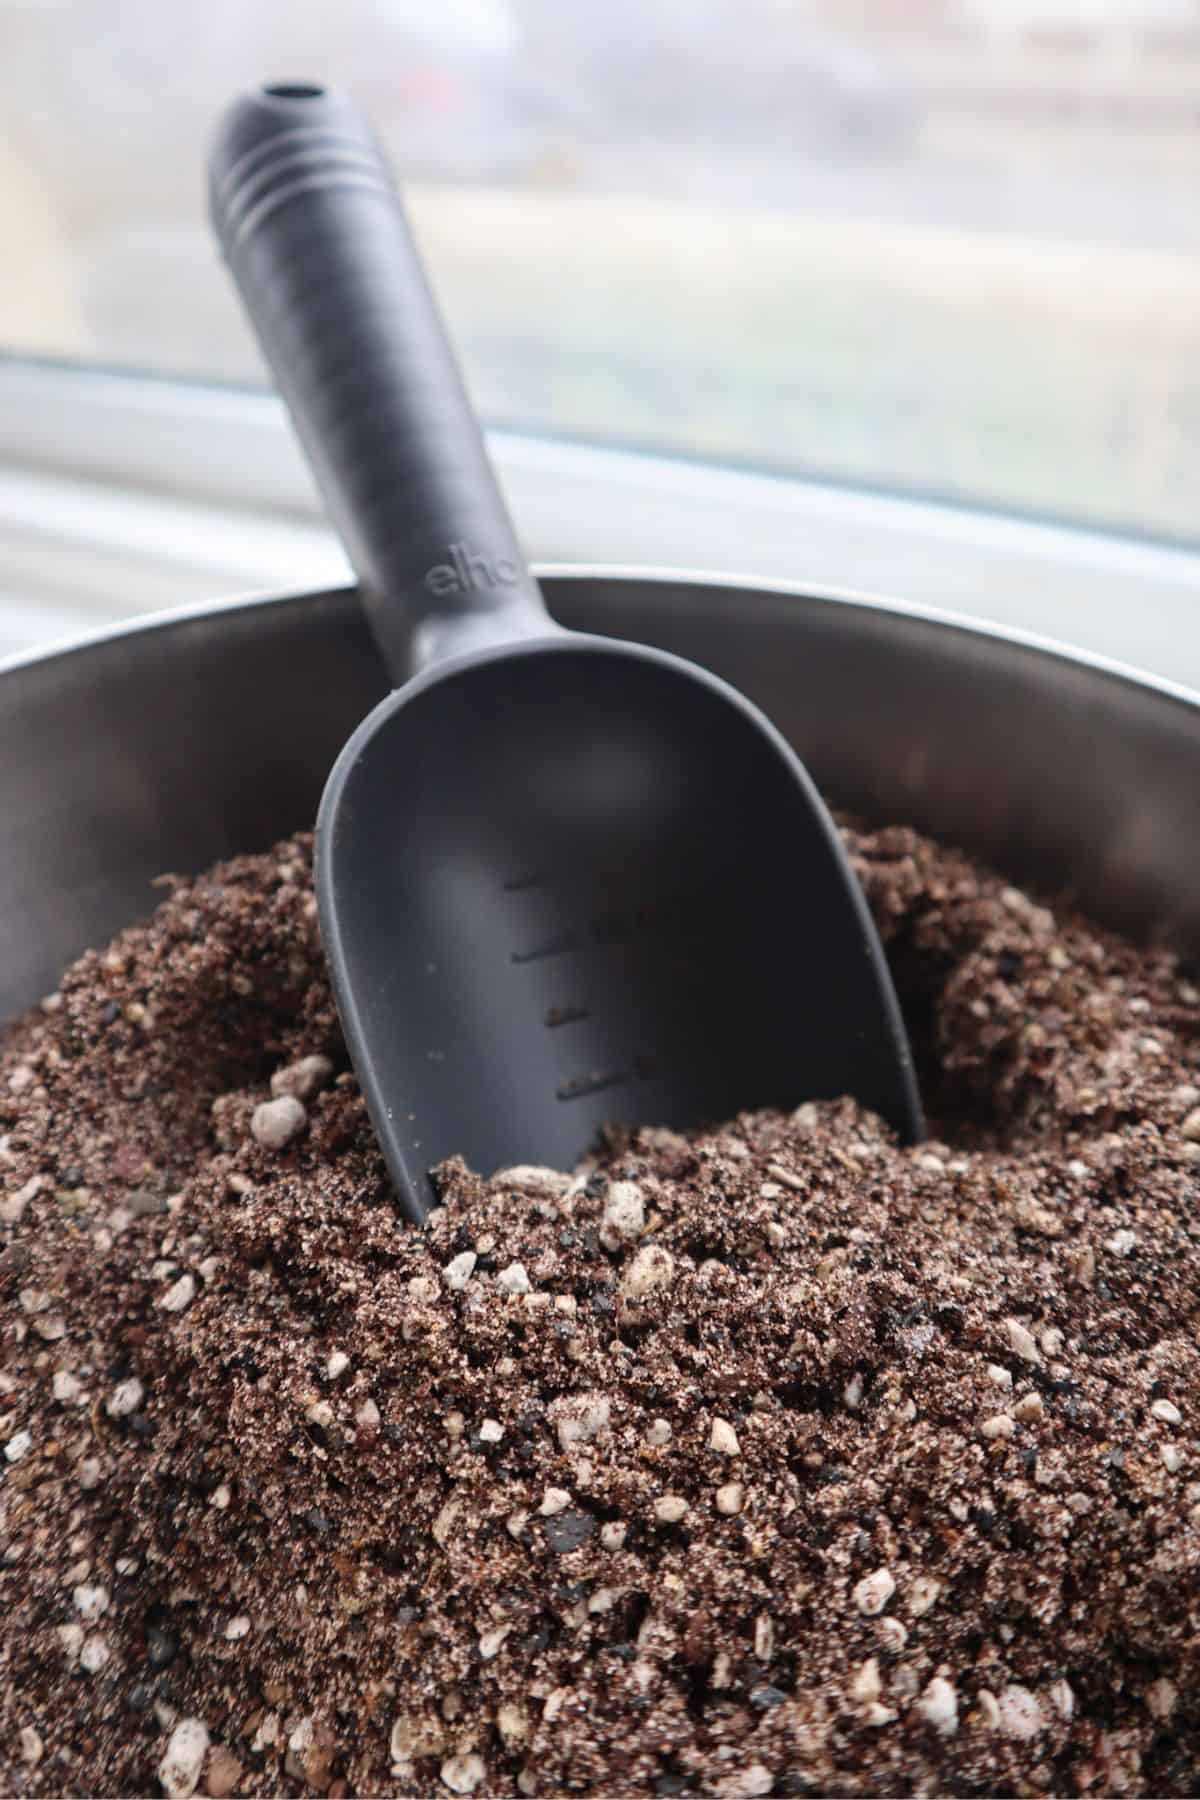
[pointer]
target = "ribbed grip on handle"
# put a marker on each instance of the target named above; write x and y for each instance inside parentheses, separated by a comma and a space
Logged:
(314, 233)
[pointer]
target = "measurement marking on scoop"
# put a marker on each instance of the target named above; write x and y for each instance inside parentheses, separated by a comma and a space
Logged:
(644, 1067)
(558, 946)
(591, 1084)
(565, 1015)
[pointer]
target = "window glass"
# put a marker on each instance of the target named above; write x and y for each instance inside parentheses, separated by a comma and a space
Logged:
(944, 245)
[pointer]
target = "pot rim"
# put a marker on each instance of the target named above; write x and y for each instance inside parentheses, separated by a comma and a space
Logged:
(647, 575)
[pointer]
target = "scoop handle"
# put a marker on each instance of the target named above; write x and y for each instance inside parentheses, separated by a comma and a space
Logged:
(314, 232)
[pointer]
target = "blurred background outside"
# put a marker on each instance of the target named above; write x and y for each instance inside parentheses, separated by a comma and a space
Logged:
(947, 246)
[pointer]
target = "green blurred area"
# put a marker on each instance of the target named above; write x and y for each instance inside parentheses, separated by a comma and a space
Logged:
(1016, 373)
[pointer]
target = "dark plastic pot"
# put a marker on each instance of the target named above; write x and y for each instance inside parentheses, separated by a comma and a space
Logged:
(169, 744)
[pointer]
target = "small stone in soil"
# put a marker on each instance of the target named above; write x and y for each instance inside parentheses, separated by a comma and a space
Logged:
(568, 1530)
(301, 1080)
(275, 1123)
(179, 1770)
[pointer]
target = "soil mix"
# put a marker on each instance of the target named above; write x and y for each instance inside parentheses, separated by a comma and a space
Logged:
(773, 1460)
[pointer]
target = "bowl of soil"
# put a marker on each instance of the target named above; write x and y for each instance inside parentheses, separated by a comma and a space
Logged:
(772, 1459)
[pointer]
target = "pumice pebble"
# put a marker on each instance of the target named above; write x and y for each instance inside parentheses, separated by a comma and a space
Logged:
(276, 1123)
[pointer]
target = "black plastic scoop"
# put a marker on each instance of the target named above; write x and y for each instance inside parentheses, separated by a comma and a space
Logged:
(561, 879)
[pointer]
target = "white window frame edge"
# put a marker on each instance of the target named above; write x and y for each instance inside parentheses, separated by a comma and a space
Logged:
(212, 453)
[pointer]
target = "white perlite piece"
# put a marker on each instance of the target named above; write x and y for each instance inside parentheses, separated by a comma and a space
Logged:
(275, 1123)
(238, 1628)
(652, 1267)
(1166, 1413)
(580, 1418)
(125, 1398)
(30, 1746)
(731, 1498)
(337, 1365)
(515, 1279)
(463, 1774)
(986, 1710)
(492, 1642)
(612, 1535)
(491, 1431)
(1121, 1243)
(267, 1733)
(91, 1603)
(302, 1735)
(179, 1770)
(512, 1723)
(554, 1500)
(12, 1207)
(998, 1426)
(94, 1655)
(1020, 1713)
(658, 1433)
(301, 1080)
(1001, 1377)
(66, 1387)
(923, 1596)
(447, 1519)
(670, 1508)
(938, 1706)
(459, 1270)
(1062, 1699)
(873, 1592)
(1162, 1697)
(747, 1784)
(624, 1217)
(1191, 1126)
(368, 1415)
(1021, 1341)
(1028, 1407)
(866, 1685)
(724, 1439)
(533, 1179)
(18, 1446)
(179, 1295)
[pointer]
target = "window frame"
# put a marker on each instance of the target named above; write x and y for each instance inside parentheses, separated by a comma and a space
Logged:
(185, 456)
